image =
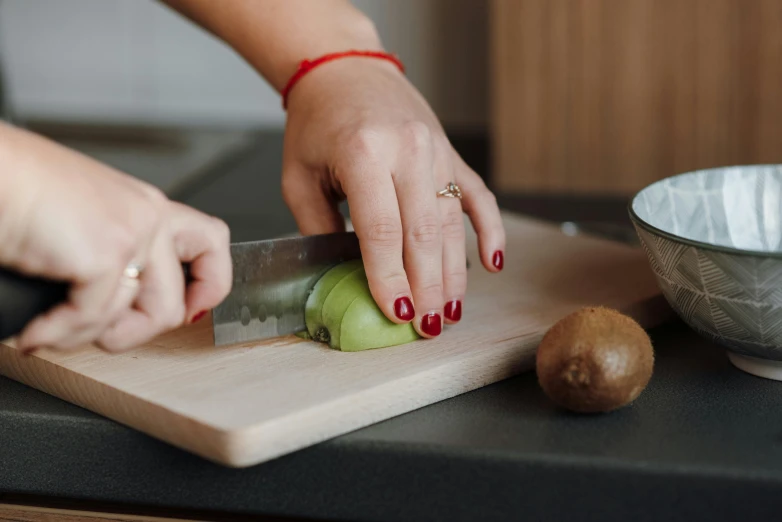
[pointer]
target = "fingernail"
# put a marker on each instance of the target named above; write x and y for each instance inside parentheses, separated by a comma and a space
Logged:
(197, 317)
(432, 324)
(403, 308)
(453, 310)
(498, 260)
(27, 352)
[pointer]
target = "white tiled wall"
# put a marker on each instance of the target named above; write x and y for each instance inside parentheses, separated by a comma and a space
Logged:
(135, 60)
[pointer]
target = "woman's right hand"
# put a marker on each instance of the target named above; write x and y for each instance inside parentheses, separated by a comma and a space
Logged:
(66, 217)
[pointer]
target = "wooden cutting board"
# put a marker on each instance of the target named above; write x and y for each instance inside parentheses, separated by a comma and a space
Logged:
(245, 404)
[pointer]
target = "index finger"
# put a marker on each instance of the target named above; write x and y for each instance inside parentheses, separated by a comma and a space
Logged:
(374, 211)
(203, 242)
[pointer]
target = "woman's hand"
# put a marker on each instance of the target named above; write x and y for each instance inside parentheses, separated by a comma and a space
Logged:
(357, 129)
(66, 217)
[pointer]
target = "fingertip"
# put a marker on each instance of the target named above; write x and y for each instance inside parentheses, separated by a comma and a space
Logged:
(201, 297)
(197, 317)
(431, 325)
(452, 312)
(480, 204)
(404, 311)
(133, 329)
(44, 330)
(498, 260)
(392, 295)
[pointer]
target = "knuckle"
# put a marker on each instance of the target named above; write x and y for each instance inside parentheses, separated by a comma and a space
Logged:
(388, 281)
(119, 251)
(455, 278)
(453, 225)
(432, 290)
(416, 135)
(416, 138)
(365, 142)
(426, 232)
(384, 232)
(170, 316)
(222, 232)
(124, 243)
(153, 194)
(156, 206)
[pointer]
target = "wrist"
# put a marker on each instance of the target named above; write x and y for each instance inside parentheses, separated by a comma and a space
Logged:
(9, 173)
(17, 182)
(323, 86)
(308, 66)
(356, 33)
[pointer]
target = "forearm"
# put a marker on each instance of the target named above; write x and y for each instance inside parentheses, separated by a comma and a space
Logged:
(275, 35)
(19, 182)
(14, 175)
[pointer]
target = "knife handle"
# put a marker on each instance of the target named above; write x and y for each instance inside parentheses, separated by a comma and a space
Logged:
(23, 298)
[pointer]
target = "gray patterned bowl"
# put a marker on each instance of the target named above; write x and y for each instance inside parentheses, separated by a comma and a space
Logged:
(714, 240)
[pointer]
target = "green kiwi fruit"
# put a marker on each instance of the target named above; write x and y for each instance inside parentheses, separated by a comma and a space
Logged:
(341, 312)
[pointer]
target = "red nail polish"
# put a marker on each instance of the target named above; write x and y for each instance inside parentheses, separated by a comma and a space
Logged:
(197, 317)
(453, 310)
(498, 260)
(432, 324)
(403, 308)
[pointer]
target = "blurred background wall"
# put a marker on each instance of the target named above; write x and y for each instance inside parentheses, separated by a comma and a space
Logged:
(607, 96)
(577, 97)
(137, 61)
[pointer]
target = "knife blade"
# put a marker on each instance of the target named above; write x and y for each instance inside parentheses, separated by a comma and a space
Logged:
(271, 282)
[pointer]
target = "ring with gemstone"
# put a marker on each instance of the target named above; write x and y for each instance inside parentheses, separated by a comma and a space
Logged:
(451, 190)
(132, 273)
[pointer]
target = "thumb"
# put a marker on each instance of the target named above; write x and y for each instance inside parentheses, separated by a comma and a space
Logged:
(314, 206)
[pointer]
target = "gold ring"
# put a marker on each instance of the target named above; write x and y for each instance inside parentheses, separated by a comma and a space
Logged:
(451, 190)
(132, 274)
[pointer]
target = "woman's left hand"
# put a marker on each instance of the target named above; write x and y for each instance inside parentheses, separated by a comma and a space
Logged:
(357, 129)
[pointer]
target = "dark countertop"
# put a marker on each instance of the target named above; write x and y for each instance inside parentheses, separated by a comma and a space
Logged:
(704, 441)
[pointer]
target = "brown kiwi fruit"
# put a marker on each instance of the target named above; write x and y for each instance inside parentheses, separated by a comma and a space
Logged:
(594, 360)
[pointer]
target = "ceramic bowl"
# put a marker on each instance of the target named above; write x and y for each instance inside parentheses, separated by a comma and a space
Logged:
(714, 240)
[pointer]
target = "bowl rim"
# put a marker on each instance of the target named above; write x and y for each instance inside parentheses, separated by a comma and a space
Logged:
(635, 218)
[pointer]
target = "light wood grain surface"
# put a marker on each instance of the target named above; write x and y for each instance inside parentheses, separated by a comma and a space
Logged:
(607, 96)
(245, 404)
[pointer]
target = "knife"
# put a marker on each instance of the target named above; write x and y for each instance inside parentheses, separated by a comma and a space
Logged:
(271, 283)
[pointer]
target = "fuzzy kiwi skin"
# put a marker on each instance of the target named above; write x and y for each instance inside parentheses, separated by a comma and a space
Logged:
(594, 360)
(341, 312)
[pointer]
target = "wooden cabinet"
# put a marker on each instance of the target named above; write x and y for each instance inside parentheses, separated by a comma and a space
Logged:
(606, 96)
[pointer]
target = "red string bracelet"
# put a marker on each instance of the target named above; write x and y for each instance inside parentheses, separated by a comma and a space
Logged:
(307, 65)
